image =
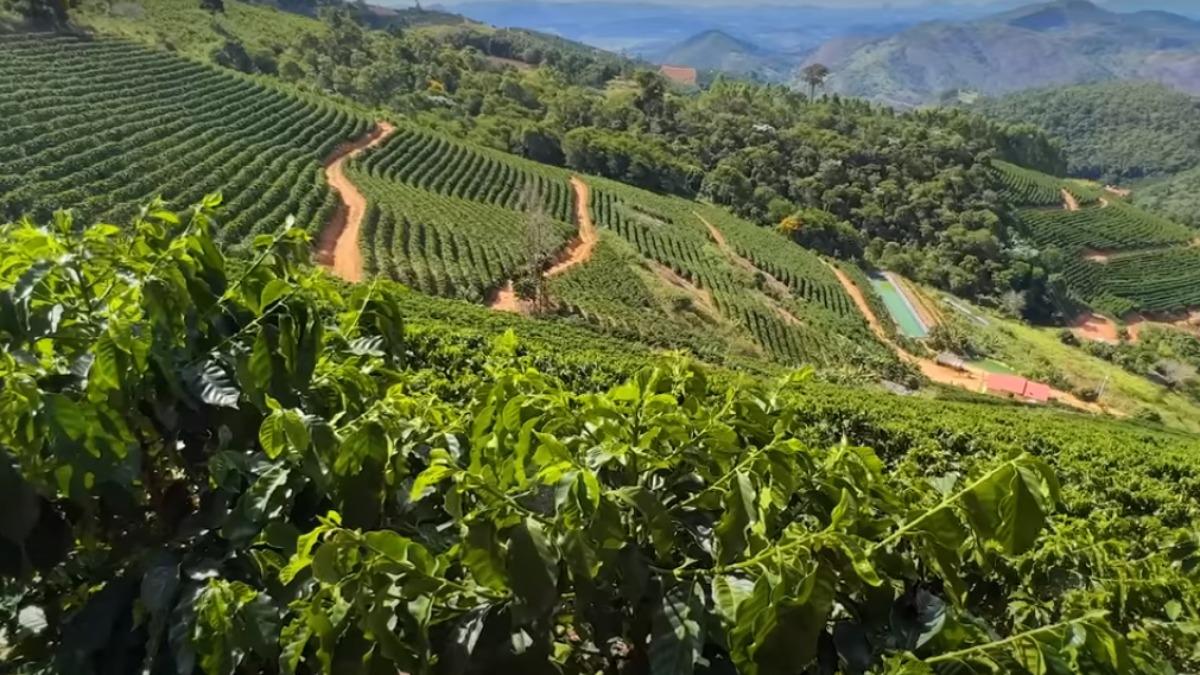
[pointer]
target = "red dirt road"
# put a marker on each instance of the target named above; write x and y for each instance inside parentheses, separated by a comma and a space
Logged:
(338, 249)
(577, 252)
(934, 371)
(506, 300)
(580, 249)
(1097, 328)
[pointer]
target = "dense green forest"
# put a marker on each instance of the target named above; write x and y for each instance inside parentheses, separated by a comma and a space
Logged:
(282, 475)
(1113, 131)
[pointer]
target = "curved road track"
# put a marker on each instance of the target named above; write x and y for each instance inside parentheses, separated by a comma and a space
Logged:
(576, 253)
(339, 248)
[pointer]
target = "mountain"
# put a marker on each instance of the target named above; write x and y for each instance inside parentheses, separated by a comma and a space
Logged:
(719, 51)
(1056, 43)
(1113, 130)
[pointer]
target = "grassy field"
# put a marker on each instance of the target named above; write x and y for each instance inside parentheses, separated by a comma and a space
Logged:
(1038, 353)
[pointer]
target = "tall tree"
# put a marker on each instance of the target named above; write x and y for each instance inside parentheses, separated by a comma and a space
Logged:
(814, 75)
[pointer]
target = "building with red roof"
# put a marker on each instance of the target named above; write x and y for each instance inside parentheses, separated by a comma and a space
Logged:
(680, 74)
(1018, 387)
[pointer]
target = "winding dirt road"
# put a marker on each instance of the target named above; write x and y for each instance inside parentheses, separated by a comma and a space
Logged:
(577, 252)
(581, 247)
(936, 372)
(338, 249)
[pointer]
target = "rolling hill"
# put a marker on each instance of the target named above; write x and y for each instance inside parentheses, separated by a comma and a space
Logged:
(1114, 130)
(1057, 43)
(715, 50)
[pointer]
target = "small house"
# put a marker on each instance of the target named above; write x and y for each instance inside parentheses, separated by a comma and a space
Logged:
(952, 360)
(1018, 387)
(680, 75)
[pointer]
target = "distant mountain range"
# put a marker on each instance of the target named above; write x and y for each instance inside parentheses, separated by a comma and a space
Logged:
(719, 51)
(1057, 43)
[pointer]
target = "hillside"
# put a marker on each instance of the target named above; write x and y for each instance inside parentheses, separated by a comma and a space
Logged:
(1013, 51)
(326, 349)
(1114, 131)
(1115, 258)
(718, 51)
(333, 456)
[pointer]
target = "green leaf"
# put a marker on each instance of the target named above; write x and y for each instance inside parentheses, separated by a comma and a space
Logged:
(1021, 515)
(1174, 610)
(944, 528)
(214, 386)
(32, 620)
(482, 555)
(982, 502)
(740, 513)
(463, 641)
(677, 633)
(274, 290)
(1029, 654)
(159, 585)
(853, 549)
(728, 593)
(534, 569)
(430, 477)
(325, 563)
(658, 521)
(292, 641)
(786, 632)
(271, 435)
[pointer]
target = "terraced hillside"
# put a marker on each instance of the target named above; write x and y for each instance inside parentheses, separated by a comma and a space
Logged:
(452, 219)
(103, 126)
(1116, 258)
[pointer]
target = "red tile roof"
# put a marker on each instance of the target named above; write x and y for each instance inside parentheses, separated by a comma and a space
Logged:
(1038, 392)
(1018, 386)
(679, 74)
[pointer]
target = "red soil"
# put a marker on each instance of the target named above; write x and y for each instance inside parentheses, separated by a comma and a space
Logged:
(699, 295)
(338, 248)
(1097, 328)
(506, 300)
(577, 252)
(580, 249)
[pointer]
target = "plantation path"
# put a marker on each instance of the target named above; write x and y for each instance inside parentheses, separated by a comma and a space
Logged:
(971, 379)
(577, 252)
(698, 295)
(1100, 256)
(719, 237)
(506, 300)
(580, 248)
(1069, 200)
(1103, 203)
(339, 247)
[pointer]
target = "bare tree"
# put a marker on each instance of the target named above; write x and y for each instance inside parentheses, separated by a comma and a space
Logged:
(540, 241)
(814, 75)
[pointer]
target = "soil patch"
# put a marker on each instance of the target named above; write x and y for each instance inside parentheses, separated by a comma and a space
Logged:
(339, 248)
(506, 300)
(1097, 328)
(581, 247)
(1069, 201)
